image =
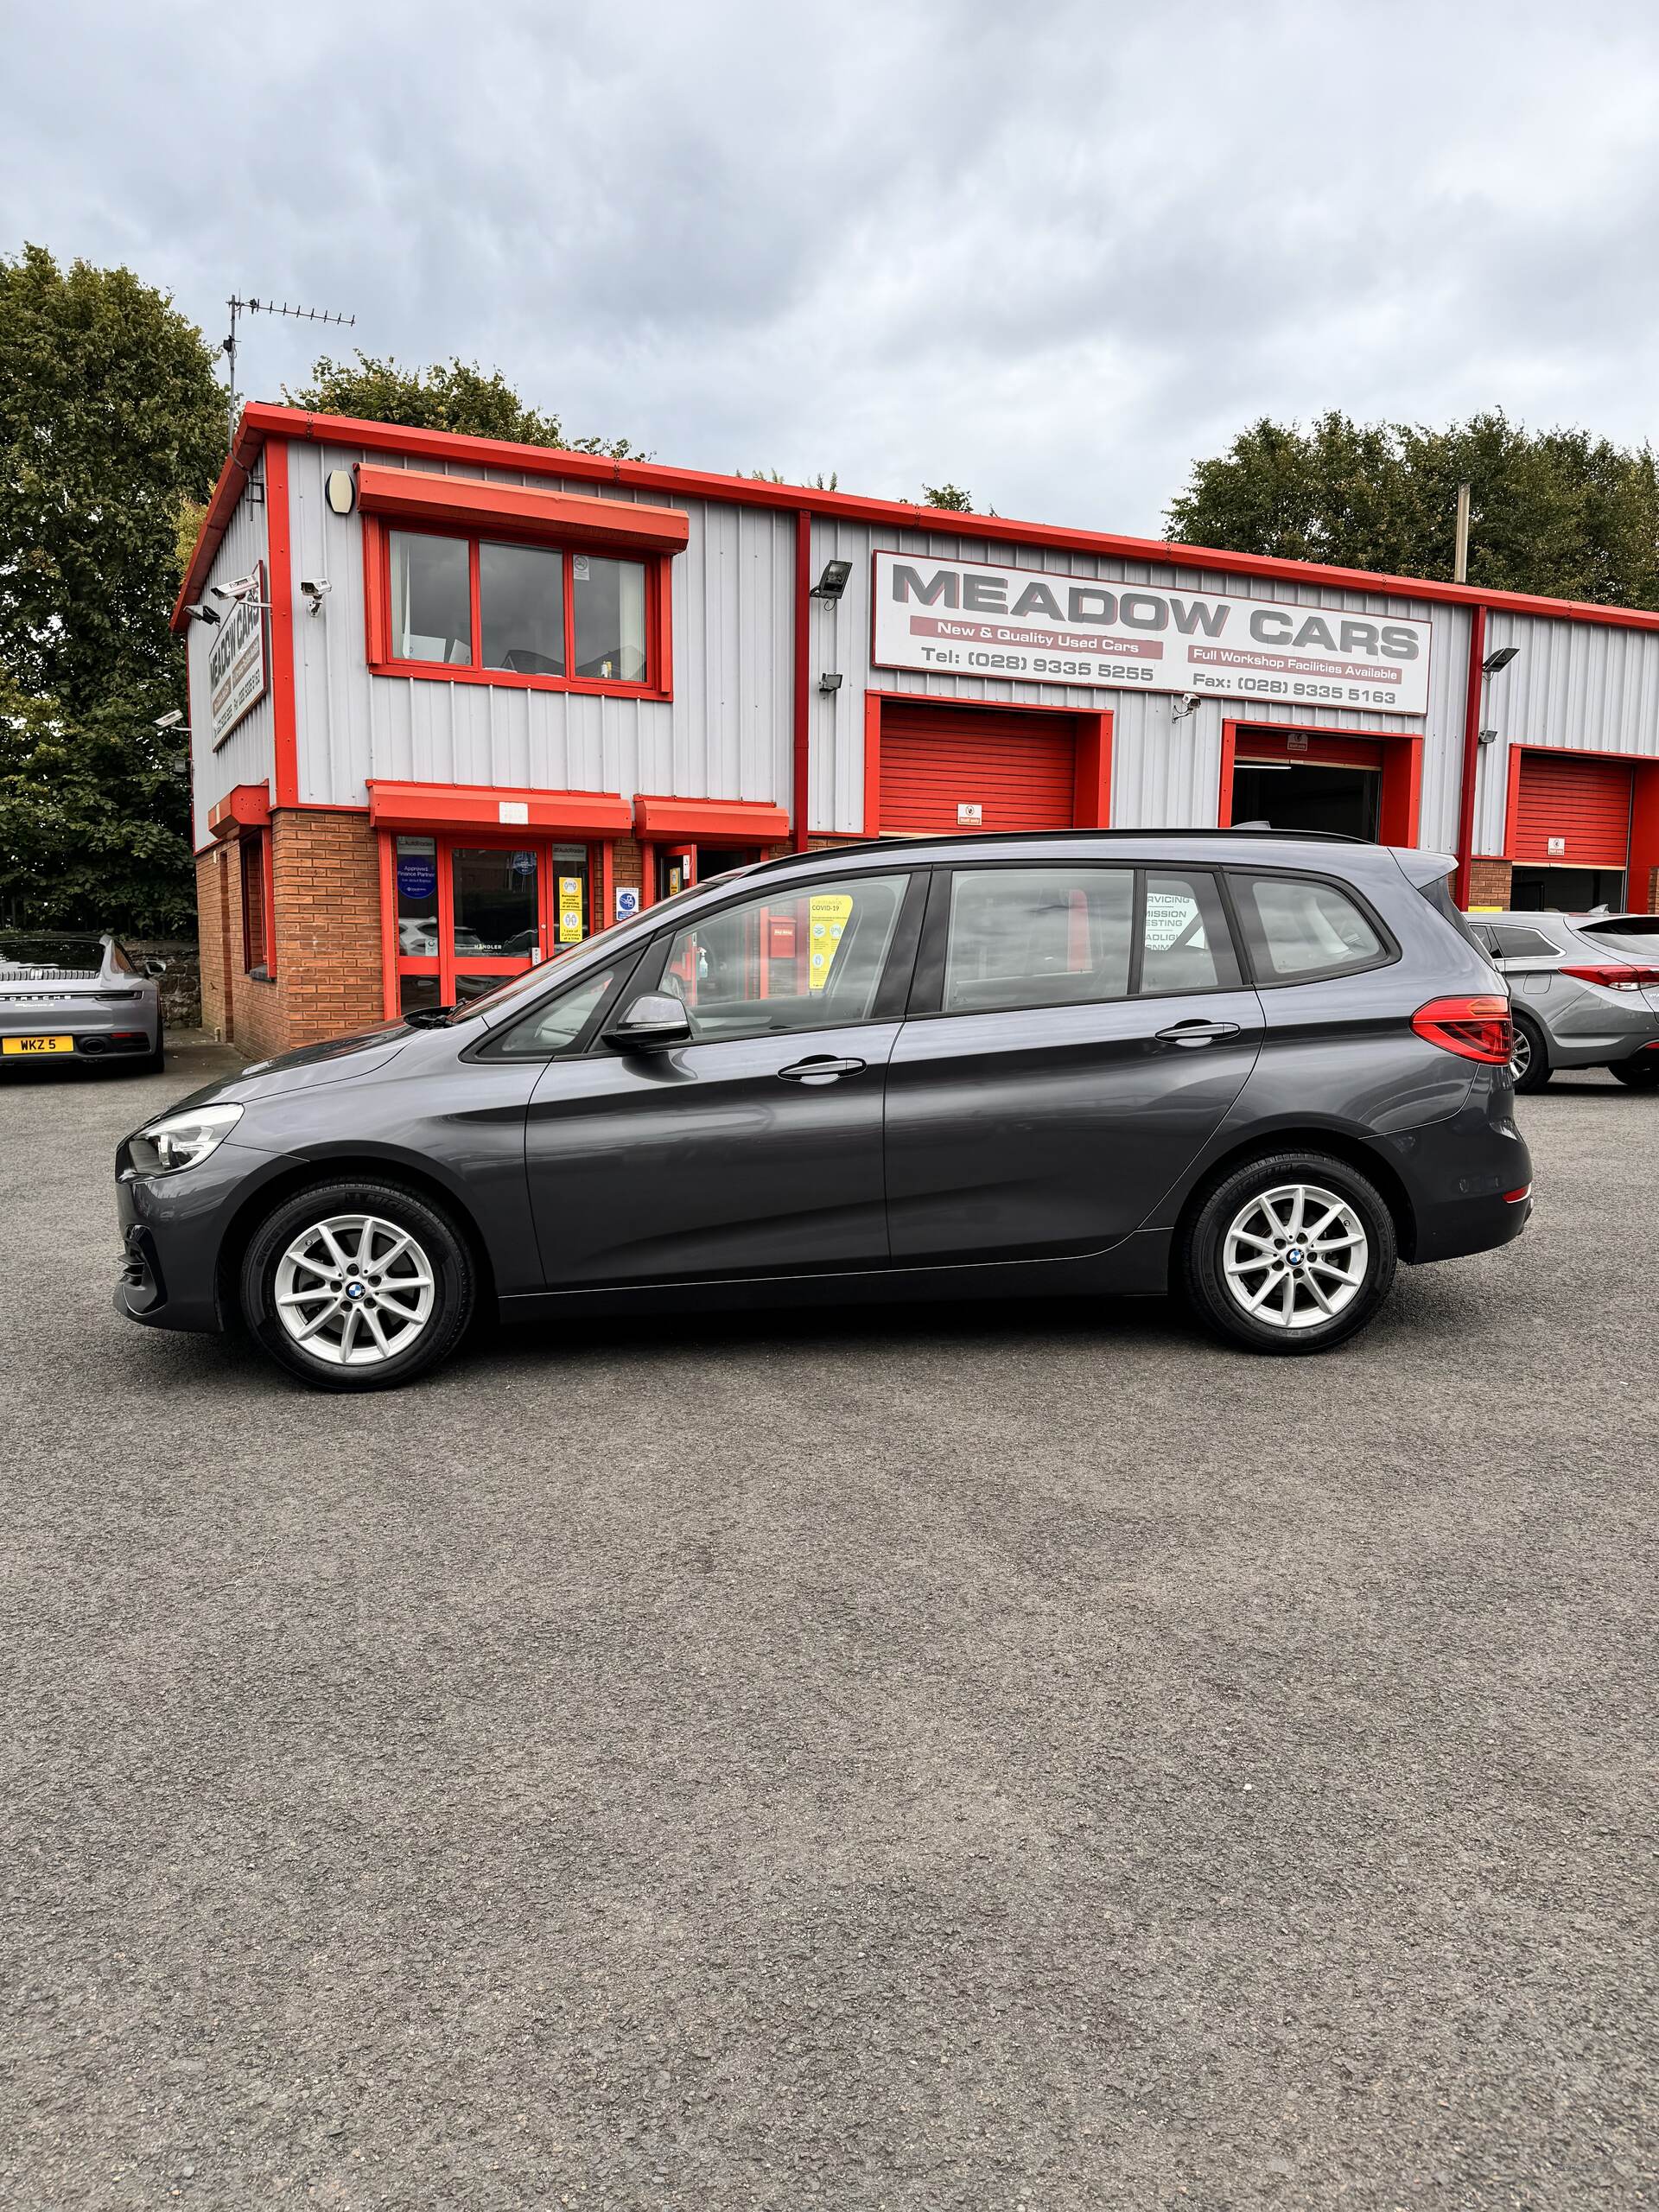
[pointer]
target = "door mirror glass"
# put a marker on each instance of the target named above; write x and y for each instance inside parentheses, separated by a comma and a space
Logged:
(651, 1024)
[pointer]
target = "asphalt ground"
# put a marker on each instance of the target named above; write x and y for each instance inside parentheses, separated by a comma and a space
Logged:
(989, 1758)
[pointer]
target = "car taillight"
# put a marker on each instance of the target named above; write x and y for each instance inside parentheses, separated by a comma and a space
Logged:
(1476, 1029)
(1621, 978)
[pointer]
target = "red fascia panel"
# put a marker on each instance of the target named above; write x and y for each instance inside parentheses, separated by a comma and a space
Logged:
(743, 821)
(478, 806)
(260, 421)
(465, 504)
(247, 807)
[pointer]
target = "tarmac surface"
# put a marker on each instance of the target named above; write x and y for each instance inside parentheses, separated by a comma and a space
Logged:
(974, 1758)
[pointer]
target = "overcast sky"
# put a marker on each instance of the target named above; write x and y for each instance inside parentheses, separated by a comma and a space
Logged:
(1052, 252)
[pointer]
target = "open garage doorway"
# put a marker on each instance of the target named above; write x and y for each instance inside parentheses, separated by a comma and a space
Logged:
(1316, 780)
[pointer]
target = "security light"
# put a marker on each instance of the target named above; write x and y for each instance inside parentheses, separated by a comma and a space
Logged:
(829, 684)
(202, 614)
(1486, 736)
(171, 720)
(339, 491)
(1500, 659)
(833, 582)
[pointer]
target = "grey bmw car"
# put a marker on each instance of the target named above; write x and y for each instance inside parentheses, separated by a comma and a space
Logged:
(67, 995)
(1255, 1069)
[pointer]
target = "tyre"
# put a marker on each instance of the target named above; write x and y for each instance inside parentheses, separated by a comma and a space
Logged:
(1291, 1253)
(155, 1063)
(1530, 1066)
(357, 1286)
(1641, 1073)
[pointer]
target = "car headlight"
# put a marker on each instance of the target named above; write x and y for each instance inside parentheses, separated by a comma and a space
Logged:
(182, 1139)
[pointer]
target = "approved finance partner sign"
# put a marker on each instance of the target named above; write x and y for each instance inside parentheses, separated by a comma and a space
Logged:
(966, 618)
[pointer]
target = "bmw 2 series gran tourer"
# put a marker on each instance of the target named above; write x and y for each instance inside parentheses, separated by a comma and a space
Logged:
(1250, 1068)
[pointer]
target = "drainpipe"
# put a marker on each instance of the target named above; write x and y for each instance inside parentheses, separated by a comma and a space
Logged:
(803, 732)
(1465, 847)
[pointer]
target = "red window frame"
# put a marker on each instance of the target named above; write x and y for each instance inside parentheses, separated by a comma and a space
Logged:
(376, 554)
(444, 964)
(259, 912)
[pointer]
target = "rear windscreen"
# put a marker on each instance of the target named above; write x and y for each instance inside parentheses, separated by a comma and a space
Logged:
(1638, 933)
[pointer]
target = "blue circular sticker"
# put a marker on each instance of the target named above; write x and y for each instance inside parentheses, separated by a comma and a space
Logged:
(418, 875)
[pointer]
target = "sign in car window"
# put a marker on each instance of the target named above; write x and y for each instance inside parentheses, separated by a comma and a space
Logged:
(239, 662)
(974, 617)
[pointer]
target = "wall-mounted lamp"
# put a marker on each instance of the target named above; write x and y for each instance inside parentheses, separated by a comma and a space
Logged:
(829, 684)
(340, 489)
(1486, 736)
(1500, 659)
(833, 582)
(201, 613)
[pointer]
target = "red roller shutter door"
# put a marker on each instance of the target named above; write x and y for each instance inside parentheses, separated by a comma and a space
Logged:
(1584, 804)
(1020, 770)
(1316, 753)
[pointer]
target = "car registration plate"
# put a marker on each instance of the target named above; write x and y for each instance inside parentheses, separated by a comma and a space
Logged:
(37, 1044)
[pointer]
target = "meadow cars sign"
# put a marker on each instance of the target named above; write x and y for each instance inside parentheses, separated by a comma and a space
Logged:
(969, 618)
(239, 664)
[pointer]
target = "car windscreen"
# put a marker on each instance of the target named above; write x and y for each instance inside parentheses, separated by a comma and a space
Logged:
(72, 956)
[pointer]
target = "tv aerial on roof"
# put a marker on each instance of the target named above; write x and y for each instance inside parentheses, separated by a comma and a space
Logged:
(238, 307)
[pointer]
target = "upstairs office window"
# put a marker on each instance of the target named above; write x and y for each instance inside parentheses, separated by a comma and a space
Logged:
(527, 610)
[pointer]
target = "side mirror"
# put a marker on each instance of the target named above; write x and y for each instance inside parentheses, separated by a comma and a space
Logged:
(155, 967)
(651, 1024)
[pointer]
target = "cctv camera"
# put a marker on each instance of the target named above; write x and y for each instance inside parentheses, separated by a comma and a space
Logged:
(244, 588)
(169, 721)
(315, 592)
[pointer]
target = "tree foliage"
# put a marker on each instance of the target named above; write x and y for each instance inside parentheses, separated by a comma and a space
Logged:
(111, 421)
(1554, 511)
(453, 395)
(948, 495)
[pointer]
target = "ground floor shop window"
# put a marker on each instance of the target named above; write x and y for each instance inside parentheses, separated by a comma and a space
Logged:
(257, 960)
(469, 909)
(678, 867)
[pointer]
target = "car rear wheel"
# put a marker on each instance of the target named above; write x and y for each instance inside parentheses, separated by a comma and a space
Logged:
(1641, 1073)
(1292, 1254)
(1529, 1064)
(357, 1286)
(155, 1063)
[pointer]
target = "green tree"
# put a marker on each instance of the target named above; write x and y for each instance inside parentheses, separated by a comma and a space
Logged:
(1555, 512)
(452, 395)
(948, 495)
(110, 420)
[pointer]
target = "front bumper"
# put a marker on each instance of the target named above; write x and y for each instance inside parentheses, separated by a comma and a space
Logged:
(1469, 1178)
(173, 1234)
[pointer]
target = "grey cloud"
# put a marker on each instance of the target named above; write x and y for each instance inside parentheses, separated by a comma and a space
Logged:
(1054, 252)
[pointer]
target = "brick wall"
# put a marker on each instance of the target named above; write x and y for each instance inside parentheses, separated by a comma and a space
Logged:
(1489, 883)
(1651, 903)
(328, 897)
(213, 873)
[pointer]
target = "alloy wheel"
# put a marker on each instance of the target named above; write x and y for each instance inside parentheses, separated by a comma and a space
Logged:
(354, 1290)
(1520, 1054)
(1295, 1257)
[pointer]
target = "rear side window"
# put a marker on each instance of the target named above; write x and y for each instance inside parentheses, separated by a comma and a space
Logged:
(1522, 944)
(1063, 936)
(1298, 929)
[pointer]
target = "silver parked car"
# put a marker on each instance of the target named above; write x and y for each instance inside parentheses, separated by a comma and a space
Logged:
(1585, 990)
(68, 994)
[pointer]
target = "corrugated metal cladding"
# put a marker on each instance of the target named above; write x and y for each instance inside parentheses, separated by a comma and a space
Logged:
(725, 735)
(247, 753)
(1165, 772)
(1575, 684)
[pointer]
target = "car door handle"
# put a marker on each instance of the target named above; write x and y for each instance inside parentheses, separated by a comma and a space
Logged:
(1196, 1032)
(821, 1068)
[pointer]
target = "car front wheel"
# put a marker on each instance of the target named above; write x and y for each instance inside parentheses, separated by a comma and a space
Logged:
(1641, 1073)
(357, 1286)
(1292, 1254)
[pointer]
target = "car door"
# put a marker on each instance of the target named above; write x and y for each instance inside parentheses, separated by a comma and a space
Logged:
(1077, 1031)
(756, 1148)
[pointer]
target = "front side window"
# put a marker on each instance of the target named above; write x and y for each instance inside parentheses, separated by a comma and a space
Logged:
(1299, 930)
(527, 610)
(810, 957)
(556, 1025)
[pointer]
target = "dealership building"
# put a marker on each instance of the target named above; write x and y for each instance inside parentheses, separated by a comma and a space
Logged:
(456, 703)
